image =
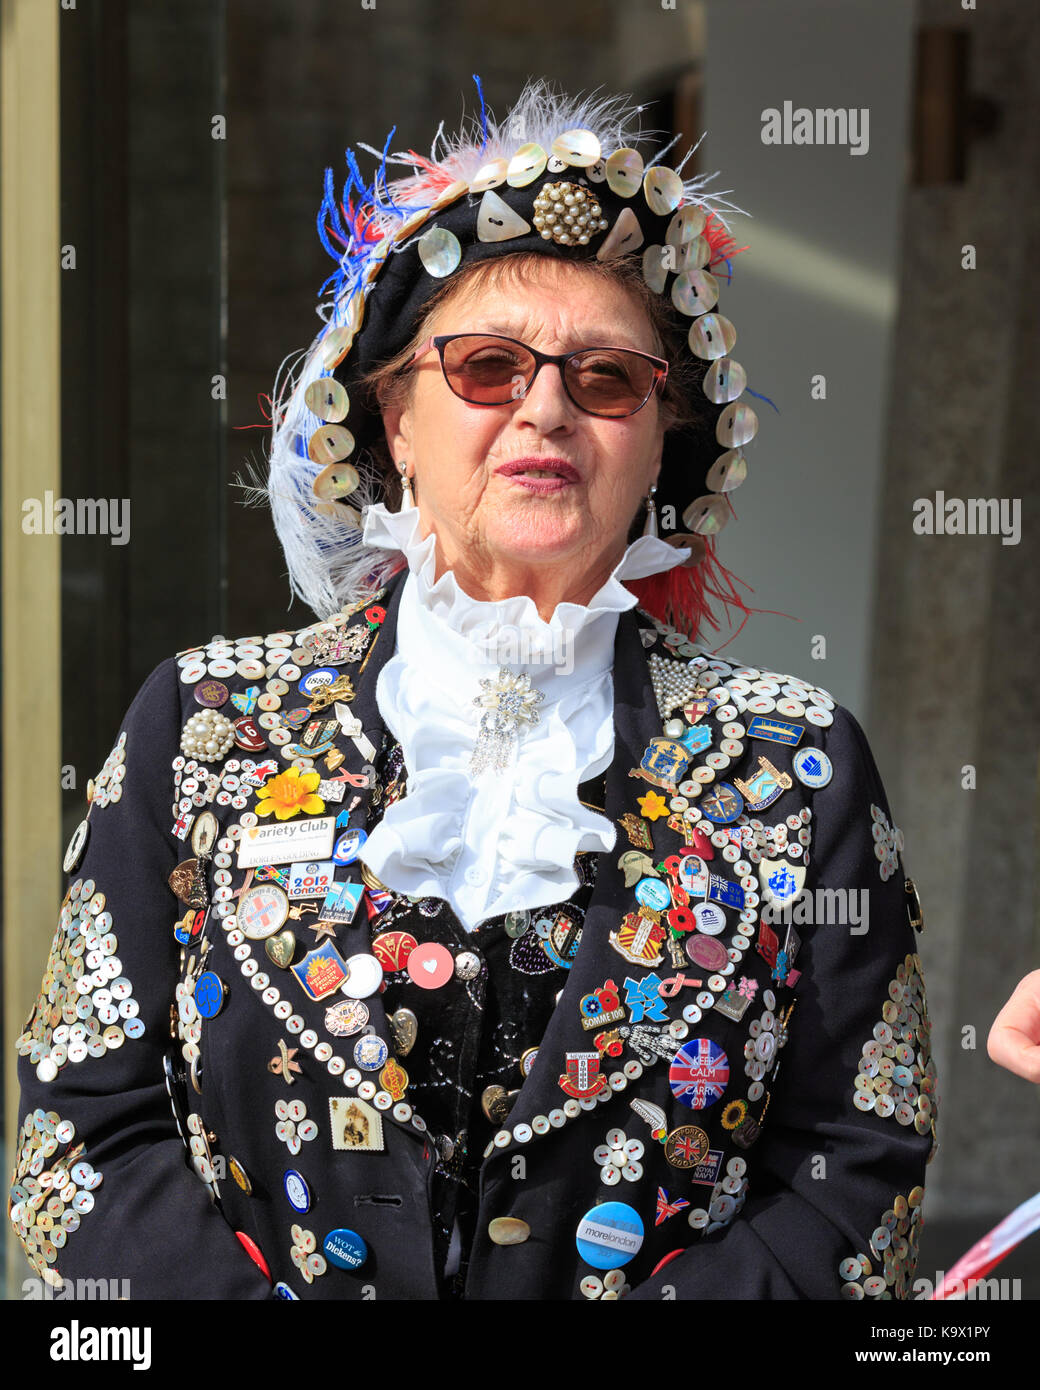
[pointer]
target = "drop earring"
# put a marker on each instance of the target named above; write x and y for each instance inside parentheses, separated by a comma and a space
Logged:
(650, 527)
(407, 500)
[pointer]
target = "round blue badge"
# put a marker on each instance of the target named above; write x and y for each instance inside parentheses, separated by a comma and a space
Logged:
(209, 994)
(722, 804)
(651, 892)
(314, 680)
(812, 767)
(609, 1235)
(349, 844)
(345, 1248)
(370, 1052)
(297, 1191)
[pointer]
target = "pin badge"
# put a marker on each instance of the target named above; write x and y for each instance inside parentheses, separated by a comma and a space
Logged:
(609, 1235)
(210, 993)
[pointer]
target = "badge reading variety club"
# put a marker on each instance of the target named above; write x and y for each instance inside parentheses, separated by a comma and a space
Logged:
(286, 842)
(609, 1235)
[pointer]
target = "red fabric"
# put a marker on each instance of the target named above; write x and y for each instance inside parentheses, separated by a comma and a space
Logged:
(683, 598)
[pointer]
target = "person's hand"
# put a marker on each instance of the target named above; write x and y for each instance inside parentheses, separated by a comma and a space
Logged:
(1014, 1039)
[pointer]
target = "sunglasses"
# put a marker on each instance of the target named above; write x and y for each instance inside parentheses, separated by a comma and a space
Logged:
(487, 369)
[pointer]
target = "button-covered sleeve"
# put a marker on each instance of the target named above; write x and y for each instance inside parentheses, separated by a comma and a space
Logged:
(100, 1188)
(833, 1208)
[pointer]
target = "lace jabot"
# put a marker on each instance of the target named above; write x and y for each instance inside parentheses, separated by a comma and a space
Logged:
(503, 840)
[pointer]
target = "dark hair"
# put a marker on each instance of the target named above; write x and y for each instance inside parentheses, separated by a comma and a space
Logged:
(391, 384)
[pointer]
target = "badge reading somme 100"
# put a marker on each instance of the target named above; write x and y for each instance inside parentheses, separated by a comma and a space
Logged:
(288, 843)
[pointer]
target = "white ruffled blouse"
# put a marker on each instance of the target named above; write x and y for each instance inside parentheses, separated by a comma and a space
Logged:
(497, 841)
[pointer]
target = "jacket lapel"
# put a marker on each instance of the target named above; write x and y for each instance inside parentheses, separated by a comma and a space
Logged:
(636, 722)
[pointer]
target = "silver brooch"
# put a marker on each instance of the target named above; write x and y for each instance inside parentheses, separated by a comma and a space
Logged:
(508, 701)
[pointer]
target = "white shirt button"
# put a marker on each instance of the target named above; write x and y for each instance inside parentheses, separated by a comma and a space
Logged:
(475, 875)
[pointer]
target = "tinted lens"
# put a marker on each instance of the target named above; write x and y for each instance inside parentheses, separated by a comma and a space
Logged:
(487, 371)
(610, 381)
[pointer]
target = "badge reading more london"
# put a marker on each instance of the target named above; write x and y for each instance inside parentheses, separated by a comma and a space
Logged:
(355, 1125)
(609, 1235)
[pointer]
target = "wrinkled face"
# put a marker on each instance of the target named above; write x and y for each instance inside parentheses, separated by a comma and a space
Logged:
(490, 518)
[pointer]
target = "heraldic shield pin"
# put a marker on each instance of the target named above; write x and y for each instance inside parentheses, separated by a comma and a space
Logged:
(782, 882)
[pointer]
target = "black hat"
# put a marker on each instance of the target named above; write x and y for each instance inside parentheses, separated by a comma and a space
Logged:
(559, 176)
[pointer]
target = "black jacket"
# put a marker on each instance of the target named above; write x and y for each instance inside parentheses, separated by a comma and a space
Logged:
(805, 1192)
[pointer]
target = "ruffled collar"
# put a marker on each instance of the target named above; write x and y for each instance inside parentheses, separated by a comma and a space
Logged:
(481, 619)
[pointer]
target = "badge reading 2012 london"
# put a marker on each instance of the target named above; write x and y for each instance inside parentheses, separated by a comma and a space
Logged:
(609, 1235)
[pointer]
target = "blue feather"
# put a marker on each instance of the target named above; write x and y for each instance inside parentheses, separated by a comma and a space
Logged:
(483, 113)
(759, 397)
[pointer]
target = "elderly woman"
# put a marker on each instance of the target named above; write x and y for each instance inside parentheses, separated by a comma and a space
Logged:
(466, 928)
